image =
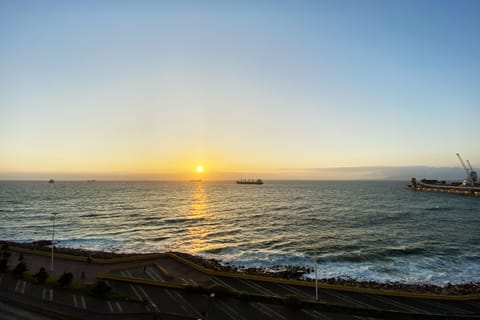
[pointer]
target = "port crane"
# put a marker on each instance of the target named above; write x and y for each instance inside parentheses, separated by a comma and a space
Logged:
(471, 175)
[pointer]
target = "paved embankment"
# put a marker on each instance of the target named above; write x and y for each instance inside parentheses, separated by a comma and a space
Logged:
(158, 280)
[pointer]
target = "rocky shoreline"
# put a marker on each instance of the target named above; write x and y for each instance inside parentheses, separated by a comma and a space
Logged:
(284, 272)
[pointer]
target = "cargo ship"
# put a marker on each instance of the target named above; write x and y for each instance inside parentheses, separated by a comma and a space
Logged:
(470, 186)
(250, 181)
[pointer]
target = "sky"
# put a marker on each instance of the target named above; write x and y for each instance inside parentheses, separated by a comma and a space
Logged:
(283, 89)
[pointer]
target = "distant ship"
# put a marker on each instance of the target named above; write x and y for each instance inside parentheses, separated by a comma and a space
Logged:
(93, 180)
(250, 181)
(195, 180)
(51, 181)
(469, 186)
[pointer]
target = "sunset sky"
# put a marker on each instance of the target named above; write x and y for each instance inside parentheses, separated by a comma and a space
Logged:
(153, 89)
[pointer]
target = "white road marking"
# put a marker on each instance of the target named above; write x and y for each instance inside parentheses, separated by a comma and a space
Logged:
(51, 295)
(17, 285)
(449, 308)
(148, 298)
(399, 305)
(269, 312)
(119, 307)
(23, 287)
(229, 311)
(153, 275)
(258, 287)
(75, 301)
(44, 291)
(84, 305)
(182, 302)
(347, 299)
(139, 296)
(315, 314)
(110, 306)
(222, 283)
(296, 291)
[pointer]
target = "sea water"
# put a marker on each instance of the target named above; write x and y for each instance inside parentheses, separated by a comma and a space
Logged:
(364, 230)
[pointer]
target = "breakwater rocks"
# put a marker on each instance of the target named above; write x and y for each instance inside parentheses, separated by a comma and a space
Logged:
(298, 273)
(45, 245)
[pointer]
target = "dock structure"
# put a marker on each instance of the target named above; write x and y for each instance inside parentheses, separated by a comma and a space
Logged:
(442, 187)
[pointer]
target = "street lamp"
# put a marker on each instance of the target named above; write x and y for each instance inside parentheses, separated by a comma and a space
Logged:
(53, 237)
(210, 297)
(316, 281)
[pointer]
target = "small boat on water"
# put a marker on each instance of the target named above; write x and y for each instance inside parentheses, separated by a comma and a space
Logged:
(51, 181)
(250, 181)
(470, 186)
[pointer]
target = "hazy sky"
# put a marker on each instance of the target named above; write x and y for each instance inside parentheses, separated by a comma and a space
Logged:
(155, 88)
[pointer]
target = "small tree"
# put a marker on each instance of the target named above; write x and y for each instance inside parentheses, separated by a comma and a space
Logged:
(41, 275)
(101, 288)
(20, 269)
(65, 279)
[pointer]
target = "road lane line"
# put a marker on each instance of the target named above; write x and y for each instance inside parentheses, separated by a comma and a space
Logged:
(228, 310)
(399, 305)
(110, 306)
(258, 287)
(17, 286)
(178, 302)
(153, 275)
(139, 296)
(349, 300)
(148, 298)
(44, 293)
(448, 308)
(192, 309)
(75, 301)
(84, 305)
(222, 283)
(299, 293)
(51, 295)
(23, 287)
(315, 314)
(267, 311)
(119, 307)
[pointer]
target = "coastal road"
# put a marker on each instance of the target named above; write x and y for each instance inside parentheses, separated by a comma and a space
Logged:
(193, 305)
(12, 312)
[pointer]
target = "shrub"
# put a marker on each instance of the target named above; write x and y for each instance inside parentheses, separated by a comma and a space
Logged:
(4, 265)
(101, 288)
(20, 269)
(41, 276)
(65, 279)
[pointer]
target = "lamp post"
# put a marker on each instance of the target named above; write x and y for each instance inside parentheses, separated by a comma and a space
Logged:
(210, 296)
(53, 237)
(316, 281)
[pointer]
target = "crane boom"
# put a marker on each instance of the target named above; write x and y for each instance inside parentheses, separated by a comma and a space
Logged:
(463, 164)
(470, 166)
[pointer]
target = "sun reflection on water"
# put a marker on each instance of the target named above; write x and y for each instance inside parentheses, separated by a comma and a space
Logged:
(200, 213)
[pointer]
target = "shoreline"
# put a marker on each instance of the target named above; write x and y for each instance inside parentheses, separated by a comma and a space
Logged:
(282, 272)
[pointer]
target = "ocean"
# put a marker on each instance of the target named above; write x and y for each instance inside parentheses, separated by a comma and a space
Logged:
(363, 230)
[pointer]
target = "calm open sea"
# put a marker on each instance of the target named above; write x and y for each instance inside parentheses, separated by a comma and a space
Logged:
(362, 230)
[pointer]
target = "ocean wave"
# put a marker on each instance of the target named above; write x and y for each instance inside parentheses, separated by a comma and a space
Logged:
(371, 255)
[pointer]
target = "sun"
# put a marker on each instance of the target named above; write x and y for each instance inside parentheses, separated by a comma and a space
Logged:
(199, 169)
